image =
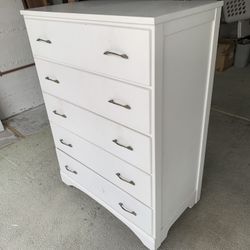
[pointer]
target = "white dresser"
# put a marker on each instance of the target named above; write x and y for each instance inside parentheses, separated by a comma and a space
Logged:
(127, 87)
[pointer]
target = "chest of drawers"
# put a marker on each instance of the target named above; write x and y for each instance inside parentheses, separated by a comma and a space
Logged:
(127, 87)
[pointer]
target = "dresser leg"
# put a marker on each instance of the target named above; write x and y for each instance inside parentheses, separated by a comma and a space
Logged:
(66, 181)
(147, 241)
(192, 200)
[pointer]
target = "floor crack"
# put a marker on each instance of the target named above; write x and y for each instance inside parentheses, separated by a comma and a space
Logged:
(230, 114)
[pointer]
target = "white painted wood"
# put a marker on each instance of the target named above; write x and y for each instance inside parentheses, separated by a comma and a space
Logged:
(110, 194)
(183, 109)
(168, 128)
(105, 164)
(101, 132)
(94, 93)
(133, 43)
(129, 12)
(157, 128)
(146, 239)
(207, 101)
(184, 102)
(188, 22)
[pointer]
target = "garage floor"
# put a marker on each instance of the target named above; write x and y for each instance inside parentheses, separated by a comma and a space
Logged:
(37, 211)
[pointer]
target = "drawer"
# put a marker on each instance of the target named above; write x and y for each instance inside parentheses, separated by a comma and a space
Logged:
(124, 143)
(118, 52)
(120, 173)
(120, 102)
(123, 203)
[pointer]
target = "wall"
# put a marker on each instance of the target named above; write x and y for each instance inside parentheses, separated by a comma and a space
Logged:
(20, 90)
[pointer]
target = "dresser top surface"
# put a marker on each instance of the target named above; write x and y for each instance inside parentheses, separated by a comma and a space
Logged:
(137, 12)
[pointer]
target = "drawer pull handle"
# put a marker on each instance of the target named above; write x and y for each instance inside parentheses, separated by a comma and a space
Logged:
(127, 147)
(62, 115)
(118, 104)
(126, 210)
(52, 80)
(123, 179)
(124, 56)
(42, 40)
(70, 170)
(66, 144)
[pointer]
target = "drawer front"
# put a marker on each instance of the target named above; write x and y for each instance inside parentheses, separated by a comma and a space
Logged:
(120, 173)
(137, 213)
(120, 102)
(127, 144)
(118, 52)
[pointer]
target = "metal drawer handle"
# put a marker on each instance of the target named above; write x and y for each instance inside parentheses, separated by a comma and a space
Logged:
(123, 179)
(62, 115)
(42, 40)
(118, 104)
(124, 56)
(66, 144)
(70, 170)
(52, 80)
(127, 147)
(126, 210)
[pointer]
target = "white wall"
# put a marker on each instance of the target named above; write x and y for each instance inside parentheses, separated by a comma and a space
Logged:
(20, 90)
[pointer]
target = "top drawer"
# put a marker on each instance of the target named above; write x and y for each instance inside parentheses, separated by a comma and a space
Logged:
(117, 52)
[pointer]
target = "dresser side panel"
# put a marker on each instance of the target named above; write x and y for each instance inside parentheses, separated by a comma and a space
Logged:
(187, 67)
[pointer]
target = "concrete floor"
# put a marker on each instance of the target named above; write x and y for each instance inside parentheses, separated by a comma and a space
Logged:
(232, 91)
(37, 211)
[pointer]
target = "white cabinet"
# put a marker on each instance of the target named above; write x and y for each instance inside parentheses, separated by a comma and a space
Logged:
(127, 87)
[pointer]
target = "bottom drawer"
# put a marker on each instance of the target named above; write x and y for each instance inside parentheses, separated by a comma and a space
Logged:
(123, 203)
